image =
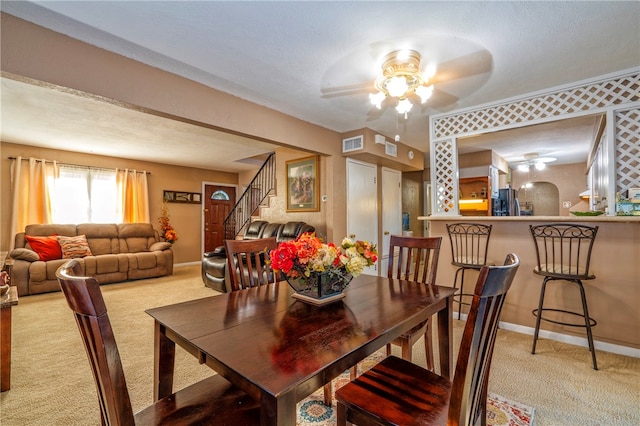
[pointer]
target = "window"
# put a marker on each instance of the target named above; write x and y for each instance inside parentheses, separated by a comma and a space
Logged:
(220, 195)
(82, 195)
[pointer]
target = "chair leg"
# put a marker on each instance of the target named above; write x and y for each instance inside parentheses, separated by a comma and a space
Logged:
(341, 415)
(455, 282)
(461, 294)
(428, 347)
(587, 322)
(328, 398)
(388, 349)
(406, 350)
(538, 314)
(353, 372)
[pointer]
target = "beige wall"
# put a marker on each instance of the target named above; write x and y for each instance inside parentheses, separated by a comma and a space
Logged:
(570, 179)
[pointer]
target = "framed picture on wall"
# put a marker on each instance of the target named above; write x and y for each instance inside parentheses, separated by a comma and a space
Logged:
(303, 186)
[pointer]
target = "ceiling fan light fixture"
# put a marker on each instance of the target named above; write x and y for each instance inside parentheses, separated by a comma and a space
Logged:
(401, 78)
(397, 86)
(523, 167)
(404, 106)
(377, 98)
(540, 165)
(424, 92)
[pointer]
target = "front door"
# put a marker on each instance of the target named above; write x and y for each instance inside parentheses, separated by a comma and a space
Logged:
(218, 202)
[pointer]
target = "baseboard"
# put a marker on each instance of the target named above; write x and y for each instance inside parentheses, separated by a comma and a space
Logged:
(565, 338)
(197, 262)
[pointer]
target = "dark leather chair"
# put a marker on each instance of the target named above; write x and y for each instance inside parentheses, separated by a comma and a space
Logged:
(214, 263)
(212, 401)
(398, 392)
(563, 252)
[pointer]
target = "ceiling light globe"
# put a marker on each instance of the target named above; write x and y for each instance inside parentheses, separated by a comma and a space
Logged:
(540, 165)
(424, 92)
(404, 106)
(397, 86)
(523, 168)
(377, 98)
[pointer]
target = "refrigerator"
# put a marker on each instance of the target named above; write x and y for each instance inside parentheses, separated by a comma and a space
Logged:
(507, 203)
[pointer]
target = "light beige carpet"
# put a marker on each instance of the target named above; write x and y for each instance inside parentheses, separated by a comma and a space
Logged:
(51, 383)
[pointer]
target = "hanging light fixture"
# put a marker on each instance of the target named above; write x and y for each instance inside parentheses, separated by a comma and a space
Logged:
(401, 79)
(533, 159)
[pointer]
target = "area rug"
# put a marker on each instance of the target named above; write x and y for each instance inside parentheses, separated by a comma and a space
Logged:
(500, 411)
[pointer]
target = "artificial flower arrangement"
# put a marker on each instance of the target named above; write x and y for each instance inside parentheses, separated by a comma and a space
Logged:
(307, 258)
(166, 230)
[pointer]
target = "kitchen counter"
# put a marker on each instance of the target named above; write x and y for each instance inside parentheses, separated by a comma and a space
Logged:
(572, 218)
(613, 296)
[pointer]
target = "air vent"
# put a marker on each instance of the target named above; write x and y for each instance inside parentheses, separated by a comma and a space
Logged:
(391, 149)
(352, 144)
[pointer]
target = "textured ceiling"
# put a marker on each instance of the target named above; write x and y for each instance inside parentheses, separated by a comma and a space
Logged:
(316, 60)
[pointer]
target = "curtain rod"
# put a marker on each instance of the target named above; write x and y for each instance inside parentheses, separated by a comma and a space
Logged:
(81, 166)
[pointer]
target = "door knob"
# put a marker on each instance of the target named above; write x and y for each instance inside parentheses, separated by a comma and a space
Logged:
(386, 232)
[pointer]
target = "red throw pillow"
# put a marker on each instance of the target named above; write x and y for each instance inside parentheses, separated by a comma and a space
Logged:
(46, 247)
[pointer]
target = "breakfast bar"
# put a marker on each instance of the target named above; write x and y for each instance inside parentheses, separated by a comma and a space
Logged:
(614, 295)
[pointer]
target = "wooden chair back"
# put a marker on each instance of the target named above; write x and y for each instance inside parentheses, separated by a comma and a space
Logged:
(467, 405)
(563, 250)
(469, 244)
(248, 262)
(85, 300)
(417, 258)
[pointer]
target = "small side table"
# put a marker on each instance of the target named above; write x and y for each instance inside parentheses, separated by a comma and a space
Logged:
(6, 302)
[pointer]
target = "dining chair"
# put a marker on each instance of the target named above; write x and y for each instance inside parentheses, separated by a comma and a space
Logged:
(248, 264)
(469, 249)
(411, 259)
(212, 401)
(416, 260)
(563, 252)
(398, 392)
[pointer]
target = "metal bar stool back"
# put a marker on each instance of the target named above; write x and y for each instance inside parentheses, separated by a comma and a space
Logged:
(469, 245)
(563, 252)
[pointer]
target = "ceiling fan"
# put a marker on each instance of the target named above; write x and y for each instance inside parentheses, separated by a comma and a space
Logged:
(404, 81)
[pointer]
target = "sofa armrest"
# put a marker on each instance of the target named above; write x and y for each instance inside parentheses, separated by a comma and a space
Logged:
(24, 254)
(217, 252)
(160, 246)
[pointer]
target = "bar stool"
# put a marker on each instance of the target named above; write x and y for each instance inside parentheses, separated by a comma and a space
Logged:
(469, 244)
(563, 253)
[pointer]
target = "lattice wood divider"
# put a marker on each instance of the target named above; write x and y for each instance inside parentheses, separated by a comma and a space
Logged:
(611, 93)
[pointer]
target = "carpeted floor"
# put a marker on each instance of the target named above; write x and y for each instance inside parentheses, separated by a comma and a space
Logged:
(51, 383)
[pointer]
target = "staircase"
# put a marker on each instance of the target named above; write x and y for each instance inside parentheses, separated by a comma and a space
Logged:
(262, 185)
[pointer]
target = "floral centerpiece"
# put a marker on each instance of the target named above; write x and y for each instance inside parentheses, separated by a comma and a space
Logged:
(166, 230)
(319, 270)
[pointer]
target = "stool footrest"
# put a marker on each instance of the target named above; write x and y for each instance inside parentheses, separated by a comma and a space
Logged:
(592, 321)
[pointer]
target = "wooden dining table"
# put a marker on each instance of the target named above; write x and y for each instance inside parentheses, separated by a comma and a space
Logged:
(280, 350)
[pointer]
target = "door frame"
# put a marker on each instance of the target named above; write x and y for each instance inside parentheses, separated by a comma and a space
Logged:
(204, 184)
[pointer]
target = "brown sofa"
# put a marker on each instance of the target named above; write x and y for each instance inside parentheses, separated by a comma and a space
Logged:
(119, 252)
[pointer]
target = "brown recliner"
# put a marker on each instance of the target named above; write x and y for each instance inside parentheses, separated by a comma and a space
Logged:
(214, 263)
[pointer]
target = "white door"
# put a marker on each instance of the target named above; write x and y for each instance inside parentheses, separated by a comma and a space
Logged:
(362, 204)
(391, 212)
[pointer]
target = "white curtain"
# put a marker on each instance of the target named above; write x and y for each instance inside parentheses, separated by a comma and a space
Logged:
(31, 189)
(133, 196)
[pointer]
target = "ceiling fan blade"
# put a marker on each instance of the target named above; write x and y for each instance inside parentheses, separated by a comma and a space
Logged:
(469, 65)
(347, 90)
(440, 99)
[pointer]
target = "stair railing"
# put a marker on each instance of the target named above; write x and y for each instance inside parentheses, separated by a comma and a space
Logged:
(263, 183)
